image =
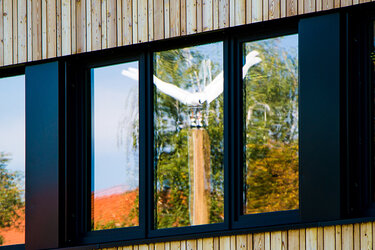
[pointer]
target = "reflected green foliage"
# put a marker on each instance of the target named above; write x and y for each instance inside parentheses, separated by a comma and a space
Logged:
(271, 129)
(183, 68)
(11, 201)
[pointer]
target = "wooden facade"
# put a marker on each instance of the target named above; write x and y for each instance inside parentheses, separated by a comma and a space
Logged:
(345, 237)
(33, 30)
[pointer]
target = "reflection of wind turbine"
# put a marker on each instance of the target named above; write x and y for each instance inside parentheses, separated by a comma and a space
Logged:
(211, 91)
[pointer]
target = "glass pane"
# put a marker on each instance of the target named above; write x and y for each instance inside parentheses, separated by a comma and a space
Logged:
(188, 136)
(270, 118)
(115, 179)
(12, 160)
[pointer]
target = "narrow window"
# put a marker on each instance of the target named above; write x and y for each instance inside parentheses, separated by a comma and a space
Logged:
(270, 120)
(115, 166)
(12, 160)
(188, 136)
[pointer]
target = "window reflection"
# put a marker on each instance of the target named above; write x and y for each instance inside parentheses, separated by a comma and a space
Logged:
(270, 121)
(188, 136)
(12, 160)
(115, 180)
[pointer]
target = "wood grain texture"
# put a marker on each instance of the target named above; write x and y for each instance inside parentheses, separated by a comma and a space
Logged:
(66, 31)
(22, 30)
(366, 235)
(44, 29)
(166, 19)
(8, 31)
(142, 21)
(158, 19)
(81, 25)
(2, 34)
(103, 16)
(207, 15)
(191, 16)
(112, 23)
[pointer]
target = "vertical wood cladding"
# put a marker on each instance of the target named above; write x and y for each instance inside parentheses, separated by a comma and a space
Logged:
(352, 236)
(32, 30)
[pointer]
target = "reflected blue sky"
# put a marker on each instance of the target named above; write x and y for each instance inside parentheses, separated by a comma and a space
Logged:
(12, 120)
(115, 113)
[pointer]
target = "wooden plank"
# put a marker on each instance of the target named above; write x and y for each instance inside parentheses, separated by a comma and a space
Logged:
(135, 20)
(183, 17)
(258, 241)
(293, 239)
(338, 234)
(166, 19)
(216, 243)
(150, 20)
(104, 24)
(256, 11)
(224, 242)
(15, 31)
(347, 237)
(159, 246)
(276, 240)
(37, 29)
(66, 31)
(81, 25)
(266, 10)
(175, 245)
(291, 7)
(22, 31)
(240, 10)
(8, 32)
(143, 247)
(207, 15)
(311, 238)
(357, 237)
(328, 4)
(199, 16)
(191, 244)
(320, 238)
(241, 242)
(223, 13)
(167, 246)
(119, 22)
(111, 23)
(44, 29)
(250, 242)
(1, 34)
(301, 7)
(373, 235)
(88, 25)
(142, 21)
(215, 15)
(151, 246)
(267, 241)
(233, 242)
(96, 25)
(51, 29)
(127, 248)
(274, 9)
(208, 244)
(191, 16)
(302, 239)
(174, 18)
(329, 237)
(73, 16)
(127, 23)
(337, 3)
(58, 28)
(309, 6)
(366, 235)
(29, 31)
(231, 13)
(199, 244)
(284, 240)
(283, 8)
(248, 11)
(158, 19)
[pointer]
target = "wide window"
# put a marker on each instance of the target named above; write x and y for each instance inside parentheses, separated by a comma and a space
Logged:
(12, 160)
(115, 142)
(189, 136)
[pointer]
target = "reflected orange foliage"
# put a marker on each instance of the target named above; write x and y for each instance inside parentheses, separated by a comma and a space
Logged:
(16, 233)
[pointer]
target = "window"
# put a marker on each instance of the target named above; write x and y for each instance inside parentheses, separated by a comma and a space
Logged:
(189, 136)
(270, 120)
(115, 173)
(12, 160)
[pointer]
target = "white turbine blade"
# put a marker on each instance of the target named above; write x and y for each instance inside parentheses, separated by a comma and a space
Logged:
(251, 59)
(131, 73)
(213, 90)
(177, 93)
